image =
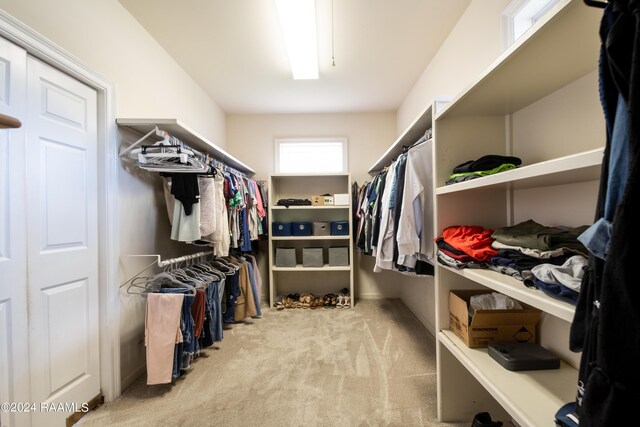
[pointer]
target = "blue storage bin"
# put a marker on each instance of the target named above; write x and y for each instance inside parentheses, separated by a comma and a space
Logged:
(281, 228)
(301, 228)
(339, 228)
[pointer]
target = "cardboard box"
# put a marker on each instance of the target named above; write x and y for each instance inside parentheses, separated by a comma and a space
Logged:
(328, 200)
(341, 199)
(317, 200)
(490, 325)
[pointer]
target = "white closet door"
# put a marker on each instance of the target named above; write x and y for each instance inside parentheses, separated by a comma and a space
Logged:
(14, 360)
(62, 240)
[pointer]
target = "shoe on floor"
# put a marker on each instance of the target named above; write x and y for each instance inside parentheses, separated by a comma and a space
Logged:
(483, 419)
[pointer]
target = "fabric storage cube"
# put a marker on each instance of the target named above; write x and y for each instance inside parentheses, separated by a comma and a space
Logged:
(339, 228)
(301, 228)
(281, 228)
(338, 256)
(286, 257)
(312, 257)
(321, 228)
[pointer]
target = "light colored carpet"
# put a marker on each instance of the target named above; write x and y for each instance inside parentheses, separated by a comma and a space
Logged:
(368, 366)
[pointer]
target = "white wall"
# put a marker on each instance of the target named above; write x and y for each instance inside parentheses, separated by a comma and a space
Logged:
(473, 44)
(149, 83)
(250, 137)
(105, 37)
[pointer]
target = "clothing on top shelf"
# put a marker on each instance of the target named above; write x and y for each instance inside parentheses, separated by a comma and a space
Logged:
(467, 176)
(485, 163)
(490, 164)
(394, 212)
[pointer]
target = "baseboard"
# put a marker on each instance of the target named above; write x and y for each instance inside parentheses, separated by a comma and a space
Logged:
(130, 379)
(374, 295)
(421, 317)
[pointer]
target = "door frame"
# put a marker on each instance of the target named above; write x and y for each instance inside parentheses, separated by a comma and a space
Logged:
(39, 47)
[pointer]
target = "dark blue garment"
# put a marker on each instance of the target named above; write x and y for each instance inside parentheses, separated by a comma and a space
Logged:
(246, 236)
(232, 292)
(596, 238)
(188, 333)
(557, 291)
(208, 330)
(217, 315)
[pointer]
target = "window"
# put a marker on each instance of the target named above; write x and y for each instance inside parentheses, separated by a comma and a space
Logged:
(520, 15)
(311, 155)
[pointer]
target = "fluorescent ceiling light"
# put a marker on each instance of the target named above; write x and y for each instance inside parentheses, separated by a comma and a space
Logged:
(298, 23)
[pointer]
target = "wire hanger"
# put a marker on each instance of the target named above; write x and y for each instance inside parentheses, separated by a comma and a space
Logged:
(594, 3)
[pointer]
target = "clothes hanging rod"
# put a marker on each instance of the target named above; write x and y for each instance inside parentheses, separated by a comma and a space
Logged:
(165, 263)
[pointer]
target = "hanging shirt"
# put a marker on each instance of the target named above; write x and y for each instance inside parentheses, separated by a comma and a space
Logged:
(415, 229)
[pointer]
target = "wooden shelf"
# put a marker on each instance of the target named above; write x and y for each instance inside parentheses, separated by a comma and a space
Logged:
(302, 238)
(530, 69)
(299, 267)
(188, 136)
(516, 289)
(309, 207)
(531, 397)
(579, 167)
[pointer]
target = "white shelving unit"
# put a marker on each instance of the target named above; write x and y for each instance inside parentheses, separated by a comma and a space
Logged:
(506, 110)
(190, 137)
(285, 280)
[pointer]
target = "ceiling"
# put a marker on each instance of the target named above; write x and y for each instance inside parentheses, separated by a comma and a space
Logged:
(234, 50)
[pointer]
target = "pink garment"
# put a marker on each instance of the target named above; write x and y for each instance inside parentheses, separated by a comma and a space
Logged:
(259, 206)
(161, 333)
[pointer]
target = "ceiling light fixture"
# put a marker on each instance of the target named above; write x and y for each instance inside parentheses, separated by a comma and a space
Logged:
(298, 23)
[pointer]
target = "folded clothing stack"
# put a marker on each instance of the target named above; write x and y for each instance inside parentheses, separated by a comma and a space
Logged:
(548, 258)
(484, 166)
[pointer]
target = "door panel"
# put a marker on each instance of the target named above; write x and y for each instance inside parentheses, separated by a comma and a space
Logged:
(64, 195)
(64, 106)
(14, 351)
(62, 240)
(65, 310)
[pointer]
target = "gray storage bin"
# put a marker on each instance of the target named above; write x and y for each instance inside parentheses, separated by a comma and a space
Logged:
(312, 257)
(285, 257)
(339, 256)
(321, 228)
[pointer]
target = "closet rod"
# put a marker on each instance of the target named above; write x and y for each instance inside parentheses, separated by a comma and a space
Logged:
(167, 262)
